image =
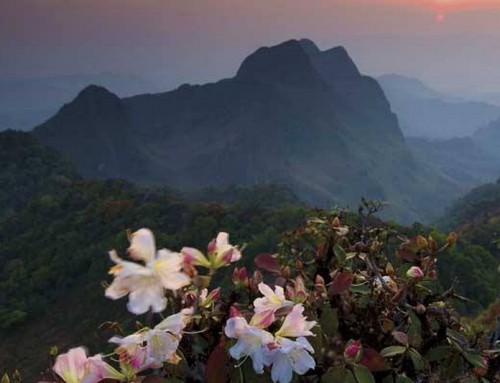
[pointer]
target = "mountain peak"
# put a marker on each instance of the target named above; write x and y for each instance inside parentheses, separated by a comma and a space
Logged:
(96, 92)
(286, 63)
(335, 63)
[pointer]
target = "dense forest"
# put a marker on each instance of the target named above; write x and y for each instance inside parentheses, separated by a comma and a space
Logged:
(54, 240)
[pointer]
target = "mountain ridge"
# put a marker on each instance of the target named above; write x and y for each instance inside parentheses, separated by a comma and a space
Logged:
(292, 114)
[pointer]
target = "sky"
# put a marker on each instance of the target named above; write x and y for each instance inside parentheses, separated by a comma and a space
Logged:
(453, 45)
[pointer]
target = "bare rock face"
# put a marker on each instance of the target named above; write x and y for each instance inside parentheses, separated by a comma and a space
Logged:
(293, 114)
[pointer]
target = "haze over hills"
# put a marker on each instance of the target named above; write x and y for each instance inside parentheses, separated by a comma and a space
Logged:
(292, 114)
(27, 102)
(424, 112)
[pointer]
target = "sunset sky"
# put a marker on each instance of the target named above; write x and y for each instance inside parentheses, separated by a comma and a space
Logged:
(453, 45)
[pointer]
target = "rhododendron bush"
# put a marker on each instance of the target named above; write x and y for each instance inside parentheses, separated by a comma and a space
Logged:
(339, 303)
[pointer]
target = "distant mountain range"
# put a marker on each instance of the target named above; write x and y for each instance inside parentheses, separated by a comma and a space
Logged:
(424, 112)
(27, 102)
(292, 114)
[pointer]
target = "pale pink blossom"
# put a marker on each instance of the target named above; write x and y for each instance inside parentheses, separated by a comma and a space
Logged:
(415, 272)
(251, 342)
(289, 357)
(146, 284)
(76, 367)
(295, 324)
(272, 299)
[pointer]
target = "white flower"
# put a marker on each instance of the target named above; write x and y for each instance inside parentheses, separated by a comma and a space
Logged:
(251, 341)
(151, 348)
(290, 356)
(146, 284)
(272, 299)
(295, 324)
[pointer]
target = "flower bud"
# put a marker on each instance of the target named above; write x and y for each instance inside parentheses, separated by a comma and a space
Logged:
(415, 272)
(319, 281)
(452, 238)
(389, 269)
(285, 272)
(353, 352)
(420, 309)
(212, 297)
(257, 278)
(240, 277)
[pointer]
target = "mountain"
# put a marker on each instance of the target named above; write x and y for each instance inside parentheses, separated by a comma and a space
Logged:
(462, 161)
(488, 138)
(292, 115)
(424, 112)
(477, 216)
(29, 170)
(27, 102)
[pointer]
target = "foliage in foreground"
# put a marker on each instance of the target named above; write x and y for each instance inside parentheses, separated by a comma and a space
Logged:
(337, 305)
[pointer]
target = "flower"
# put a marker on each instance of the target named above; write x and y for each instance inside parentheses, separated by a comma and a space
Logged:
(132, 353)
(76, 367)
(146, 284)
(290, 356)
(151, 348)
(415, 272)
(251, 341)
(272, 299)
(295, 324)
(71, 367)
(221, 252)
(195, 257)
(353, 352)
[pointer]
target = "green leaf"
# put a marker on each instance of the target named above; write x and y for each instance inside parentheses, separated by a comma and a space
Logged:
(362, 374)
(417, 359)
(329, 321)
(475, 359)
(438, 353)
(5, 378)
(361, 288)
(340, 254)
(335, 375)
(392, 351)
(415, 330)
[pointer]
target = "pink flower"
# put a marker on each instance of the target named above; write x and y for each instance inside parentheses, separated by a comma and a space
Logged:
(353, 351)
(76, 367)
(415, 272)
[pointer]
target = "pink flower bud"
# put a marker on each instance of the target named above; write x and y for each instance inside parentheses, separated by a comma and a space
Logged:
(213, 296)
(415, 272)
(234, 312)
(353, 352)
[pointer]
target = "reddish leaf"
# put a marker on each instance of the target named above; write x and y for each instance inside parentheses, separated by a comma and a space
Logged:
(341, 281)
(217, 370)
(373, 360)
(401, 337)
(268, 262)
(154, 379)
